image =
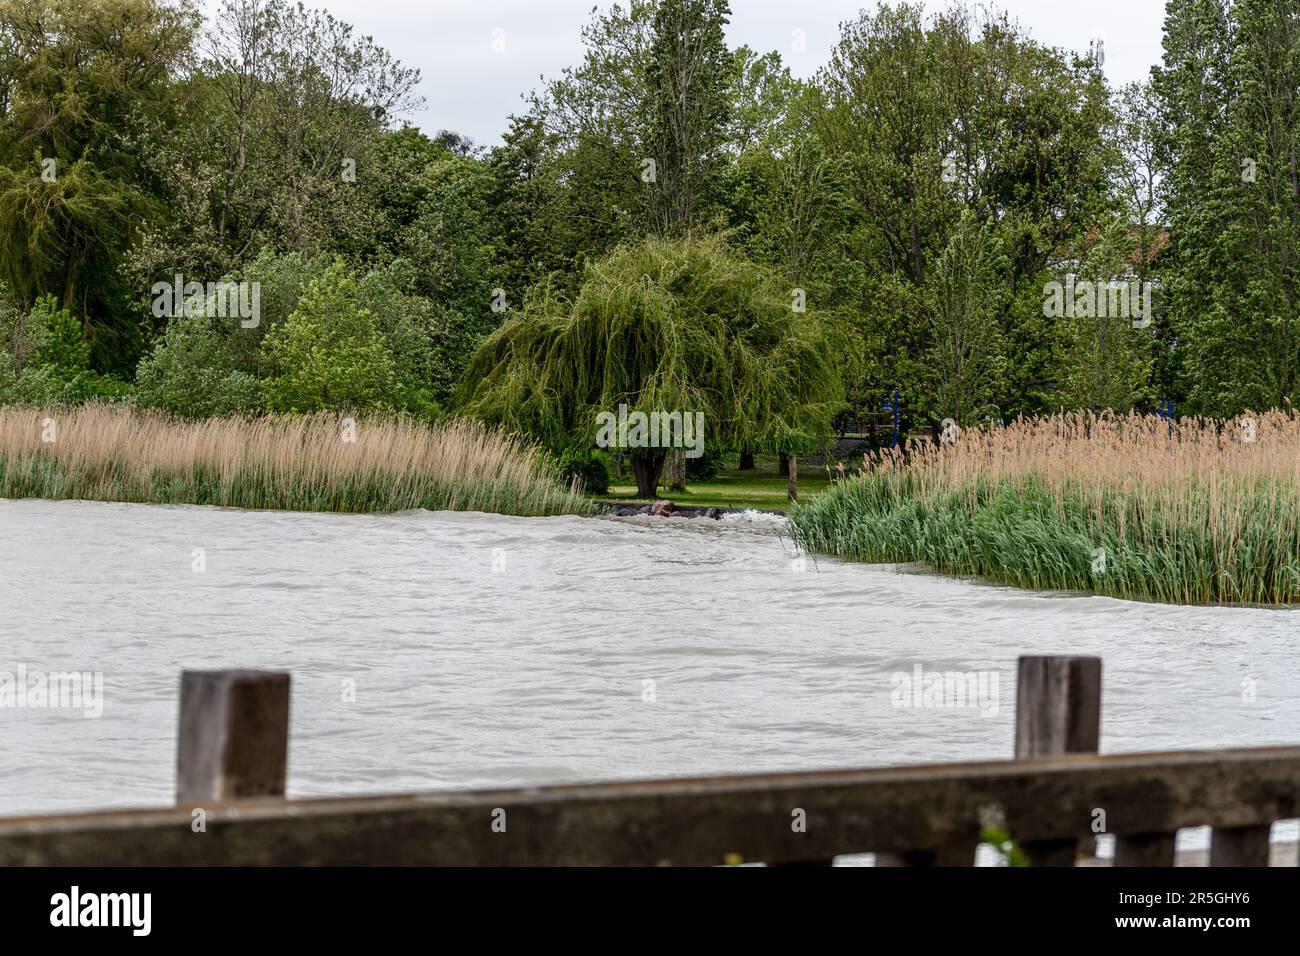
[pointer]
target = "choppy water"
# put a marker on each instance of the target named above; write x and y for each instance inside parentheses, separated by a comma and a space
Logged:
(493, 651)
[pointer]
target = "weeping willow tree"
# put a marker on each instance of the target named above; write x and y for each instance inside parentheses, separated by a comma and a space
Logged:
(663, 326)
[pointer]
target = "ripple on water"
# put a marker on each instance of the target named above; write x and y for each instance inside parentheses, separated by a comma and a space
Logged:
(483, 650)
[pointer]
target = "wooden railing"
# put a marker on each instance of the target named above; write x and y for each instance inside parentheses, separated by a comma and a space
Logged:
(1052, 800)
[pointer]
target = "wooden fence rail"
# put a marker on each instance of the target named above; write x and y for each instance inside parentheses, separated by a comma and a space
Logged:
(231, 773)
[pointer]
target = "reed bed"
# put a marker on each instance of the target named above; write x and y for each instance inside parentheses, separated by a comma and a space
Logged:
(303, 463)
(1194, 512)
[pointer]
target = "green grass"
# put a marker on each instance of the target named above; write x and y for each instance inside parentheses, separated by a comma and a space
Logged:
(763, 488)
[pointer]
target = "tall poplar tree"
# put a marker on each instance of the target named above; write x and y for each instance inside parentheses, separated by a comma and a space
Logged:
(688, 79)
(1228, 94)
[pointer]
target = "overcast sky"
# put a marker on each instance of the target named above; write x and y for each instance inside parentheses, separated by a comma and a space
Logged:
(472, 89)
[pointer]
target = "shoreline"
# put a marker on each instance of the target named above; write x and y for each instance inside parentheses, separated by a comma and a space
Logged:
(680, 511)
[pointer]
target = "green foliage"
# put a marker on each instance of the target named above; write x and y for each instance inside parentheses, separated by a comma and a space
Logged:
(47, 386)
(663, 325)
(688, 80)
(568, 177)
(429, 231)
(330, 353)
(56, 339)
(966, 358)
(286, 108)
(1231, 142)
(44, 360)
(379, 346)
(1000, 840)
(81, 82)
(919, 190)
(707, 465)
(204, 365)
(761, 95)
(574, 179)
(588, 467)
(1104, 362)
(194, 371)
(414, 331)
(935, 119)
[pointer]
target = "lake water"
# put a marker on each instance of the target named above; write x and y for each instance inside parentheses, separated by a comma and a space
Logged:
(469, 650)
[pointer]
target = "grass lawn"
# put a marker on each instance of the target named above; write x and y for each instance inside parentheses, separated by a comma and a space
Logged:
(762, 488)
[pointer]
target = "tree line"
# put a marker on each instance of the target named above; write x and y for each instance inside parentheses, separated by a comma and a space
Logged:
(912, 203)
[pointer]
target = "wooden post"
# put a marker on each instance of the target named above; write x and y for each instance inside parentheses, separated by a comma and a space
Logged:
(1058, 706)
(1058, 711)
(234, 735)
(792, 482)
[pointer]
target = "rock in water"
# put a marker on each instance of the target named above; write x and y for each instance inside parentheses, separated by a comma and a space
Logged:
(663, 508)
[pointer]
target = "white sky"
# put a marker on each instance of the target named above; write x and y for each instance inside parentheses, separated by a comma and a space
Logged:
(471, 89)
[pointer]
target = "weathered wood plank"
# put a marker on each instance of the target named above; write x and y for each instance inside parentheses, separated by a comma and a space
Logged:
(694, 821)
(234, 735)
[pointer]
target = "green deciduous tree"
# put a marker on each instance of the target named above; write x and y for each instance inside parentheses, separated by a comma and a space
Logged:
(194, 371)
(634, 140)
(965, 295)
(82, 84)
(688, 81)
(286, 107)
(330, 353)
(1104, 361)
(45, 359)
(932, 117)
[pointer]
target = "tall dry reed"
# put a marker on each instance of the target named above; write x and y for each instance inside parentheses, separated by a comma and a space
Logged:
(114, 453)
(1196, 511)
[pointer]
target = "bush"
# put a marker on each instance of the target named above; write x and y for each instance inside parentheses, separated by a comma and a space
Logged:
(49, 385)
(410, 325)
(193, 372)
(589, 467)
(56, 337)
(706, 467)
(49, 364)
(330, 353)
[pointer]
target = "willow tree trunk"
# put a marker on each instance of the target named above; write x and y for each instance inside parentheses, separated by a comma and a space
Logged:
(647, 467)
(792, 483)
(676, 470)
(783, 460)
(746, 461)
